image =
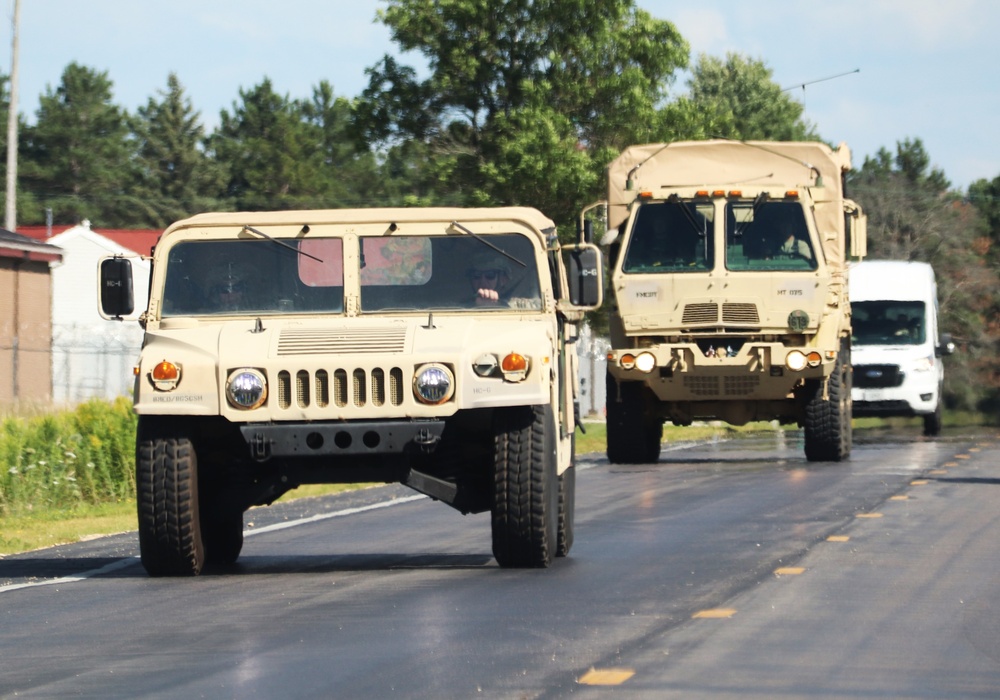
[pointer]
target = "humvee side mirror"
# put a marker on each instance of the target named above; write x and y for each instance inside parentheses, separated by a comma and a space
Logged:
(115, 290)
(584, 273)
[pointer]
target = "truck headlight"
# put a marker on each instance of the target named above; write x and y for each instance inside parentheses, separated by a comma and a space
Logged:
(795, 361)
(246, 388)
(645, 362)
(433, 384)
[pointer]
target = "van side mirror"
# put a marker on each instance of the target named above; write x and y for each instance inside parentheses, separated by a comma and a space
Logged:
(585, 275)
(946, 346)
(115, 290)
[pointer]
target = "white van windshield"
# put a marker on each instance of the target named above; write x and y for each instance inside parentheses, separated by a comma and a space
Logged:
(888, 323)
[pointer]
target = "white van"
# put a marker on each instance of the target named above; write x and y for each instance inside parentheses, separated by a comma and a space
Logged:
(896, 343)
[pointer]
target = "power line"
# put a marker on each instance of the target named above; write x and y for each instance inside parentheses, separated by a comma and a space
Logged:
(820, 80)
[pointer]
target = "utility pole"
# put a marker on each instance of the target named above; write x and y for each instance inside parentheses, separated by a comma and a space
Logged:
(10, 222)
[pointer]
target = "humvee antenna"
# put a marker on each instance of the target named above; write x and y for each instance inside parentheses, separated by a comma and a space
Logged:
(820, 80)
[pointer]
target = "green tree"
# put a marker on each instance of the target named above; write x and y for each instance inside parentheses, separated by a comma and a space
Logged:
(79, 156)
(577, 79)
(912, 215)
(737, 99)
(266, 151)
(176, 177)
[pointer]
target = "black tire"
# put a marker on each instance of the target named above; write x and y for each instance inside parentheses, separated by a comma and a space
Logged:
(634, 431)
(221, 533)
(932, 421)
(525, 513)
(170, 537)
(828, 430)
(567, 510)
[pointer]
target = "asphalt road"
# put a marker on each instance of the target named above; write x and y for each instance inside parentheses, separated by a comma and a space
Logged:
(732, 569)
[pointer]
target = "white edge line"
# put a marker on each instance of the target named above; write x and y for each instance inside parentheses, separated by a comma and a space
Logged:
(122, 563)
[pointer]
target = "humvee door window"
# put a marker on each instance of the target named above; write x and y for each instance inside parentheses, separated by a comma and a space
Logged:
(767, 236)
(252, 277)
(671, 236)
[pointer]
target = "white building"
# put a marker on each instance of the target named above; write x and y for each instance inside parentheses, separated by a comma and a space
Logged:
(92, 357)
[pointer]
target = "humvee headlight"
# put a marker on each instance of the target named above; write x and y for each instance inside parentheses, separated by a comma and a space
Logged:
(795, 361)
(246, 388)
(645, 362)
(485, 365)
(433, 384)
(165, 375)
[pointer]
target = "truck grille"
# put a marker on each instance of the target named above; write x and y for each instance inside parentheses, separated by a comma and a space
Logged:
(722, 386)
(877, 376)
(319, 341)
(342, 388)
(739, 314)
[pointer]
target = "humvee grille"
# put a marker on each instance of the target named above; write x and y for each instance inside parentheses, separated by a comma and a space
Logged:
(316, 341)
(342, 388)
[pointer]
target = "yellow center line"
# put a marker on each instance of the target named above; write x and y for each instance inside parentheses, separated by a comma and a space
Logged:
(869, 515)
(918, 482)
(606, 676)
(961, 456)
(714, 614)
(942, 471)
(788, 571)
(838, 538)
(899, 498)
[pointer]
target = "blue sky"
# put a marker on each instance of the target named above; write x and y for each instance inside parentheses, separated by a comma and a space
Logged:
(928, 69)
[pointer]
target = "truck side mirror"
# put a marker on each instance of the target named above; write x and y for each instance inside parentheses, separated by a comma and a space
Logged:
(584, 273)
(116, 295)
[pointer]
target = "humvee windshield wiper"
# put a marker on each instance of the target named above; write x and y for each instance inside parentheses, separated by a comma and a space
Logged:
(292, 248)
(485, 242)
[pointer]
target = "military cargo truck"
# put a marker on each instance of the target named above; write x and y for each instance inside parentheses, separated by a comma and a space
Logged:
(729, 272)
(428, 347)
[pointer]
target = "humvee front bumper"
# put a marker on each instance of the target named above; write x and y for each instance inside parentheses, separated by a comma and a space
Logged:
(315, 439)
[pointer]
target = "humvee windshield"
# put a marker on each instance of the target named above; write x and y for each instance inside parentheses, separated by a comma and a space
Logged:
(396, 273)
(767, 236)
(888, 323)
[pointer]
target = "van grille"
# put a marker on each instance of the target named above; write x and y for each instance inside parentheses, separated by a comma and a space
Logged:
(877, 376)
(343, 388)
(317, 341)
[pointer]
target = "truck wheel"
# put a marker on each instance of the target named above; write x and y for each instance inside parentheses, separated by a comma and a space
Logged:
(828, 432)
(525, 514)
(932, 421)
(170, 537)
(567, 509)
(634, 433)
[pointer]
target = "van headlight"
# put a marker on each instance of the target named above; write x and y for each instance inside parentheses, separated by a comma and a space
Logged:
(433, 384)
(246, 388)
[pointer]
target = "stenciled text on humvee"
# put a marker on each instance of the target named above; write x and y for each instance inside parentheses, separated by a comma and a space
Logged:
(430, 347)
(729, 272)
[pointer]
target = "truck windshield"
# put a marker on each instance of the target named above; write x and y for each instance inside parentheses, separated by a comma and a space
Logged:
(888, 323)
(767, 236)
(671, 236)
(396, 273)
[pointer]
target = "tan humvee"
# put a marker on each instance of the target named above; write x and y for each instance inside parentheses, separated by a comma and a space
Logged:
(729, 268)
(422, 346)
